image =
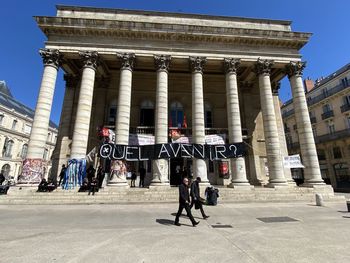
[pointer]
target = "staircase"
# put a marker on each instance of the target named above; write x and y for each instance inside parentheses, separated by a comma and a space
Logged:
(29, 196)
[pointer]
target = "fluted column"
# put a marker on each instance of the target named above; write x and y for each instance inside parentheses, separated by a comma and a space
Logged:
(160, 167)
(280, 128)
(198, 126)
(272, 144)
(312, 173)
(59, 155)
(238, 168)
(83, 115)
(123, 110)
(32, 167)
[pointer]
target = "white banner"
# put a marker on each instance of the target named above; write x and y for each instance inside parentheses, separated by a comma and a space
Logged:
(292, 161)
(212, 139)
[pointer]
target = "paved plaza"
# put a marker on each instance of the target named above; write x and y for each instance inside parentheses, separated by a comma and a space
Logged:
(145, 233)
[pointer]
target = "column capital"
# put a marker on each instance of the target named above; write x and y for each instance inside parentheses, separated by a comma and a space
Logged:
(295, 68)
(231, 65)
(275, 86)
(128, 60)
(197, 64)
(263, 67)
(162, 62)
(71, 80)
(51, 57)
(89, 58)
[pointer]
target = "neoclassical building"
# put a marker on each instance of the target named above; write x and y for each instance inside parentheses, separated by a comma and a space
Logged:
(15, 126)
(328, 102)
(142, 72)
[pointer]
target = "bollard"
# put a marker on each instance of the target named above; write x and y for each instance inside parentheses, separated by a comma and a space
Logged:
(348, 204)
(319, 200)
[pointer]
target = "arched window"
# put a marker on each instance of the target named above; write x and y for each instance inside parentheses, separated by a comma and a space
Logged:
(147, 113)
(24, 151)
(112, 113)
(176, 114)
(5, 170)
(208, 118)
(46, 153)
(7, 150)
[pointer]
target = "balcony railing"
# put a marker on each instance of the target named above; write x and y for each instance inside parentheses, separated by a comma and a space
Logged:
(345, 107)
(288, 113)
(329, 93)
(334, 136)
(327, 114)
(313, 119)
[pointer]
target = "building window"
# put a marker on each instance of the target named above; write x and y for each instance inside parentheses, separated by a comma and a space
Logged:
(14, 125)
(314, 131)
(176, 114)
(347, 121)
(326, 108)
(331, 128)
(344, 82)
(337, 153)
(24, 151)
(208, 116)
(325, 92)
(46, 153)
(7, 150)
(346, 100)
(27, 129)
(1, 118)
(147, 113)
(48, 136)
(321, 154)
(5, 170)
(112, 113)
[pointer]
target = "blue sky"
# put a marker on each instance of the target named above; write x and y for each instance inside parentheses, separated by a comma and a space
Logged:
(21, 66)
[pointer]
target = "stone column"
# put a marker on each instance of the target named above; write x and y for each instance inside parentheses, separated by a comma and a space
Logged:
(123, 113)
(312, 173)
(280, 127)
(238, 168)
(32, 166)
(272, 143)
(160, 167)
(61, 151)
(82, 120)
(198, 126)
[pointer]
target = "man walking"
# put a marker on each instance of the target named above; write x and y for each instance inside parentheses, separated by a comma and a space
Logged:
(196, 198)
(184, 202)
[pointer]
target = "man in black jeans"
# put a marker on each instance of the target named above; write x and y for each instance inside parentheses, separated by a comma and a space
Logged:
(196, 199)
(184, 202)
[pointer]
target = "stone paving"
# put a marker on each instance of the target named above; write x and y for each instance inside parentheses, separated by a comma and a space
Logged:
(145, 233)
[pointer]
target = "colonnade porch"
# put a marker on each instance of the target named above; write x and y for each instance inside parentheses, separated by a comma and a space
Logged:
(238, 93)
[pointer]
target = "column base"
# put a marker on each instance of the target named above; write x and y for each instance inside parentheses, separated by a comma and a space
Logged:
(313, 183)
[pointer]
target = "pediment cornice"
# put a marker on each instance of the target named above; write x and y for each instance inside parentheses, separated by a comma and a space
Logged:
(171, 32)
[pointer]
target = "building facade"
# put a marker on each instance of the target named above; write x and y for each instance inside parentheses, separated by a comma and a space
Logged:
(15, 127)
(149, 73)
(329, 109)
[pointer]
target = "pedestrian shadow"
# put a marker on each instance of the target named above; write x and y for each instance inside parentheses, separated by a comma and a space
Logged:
(346, 216)
(185, 216)
(345, 212)
(165, 222)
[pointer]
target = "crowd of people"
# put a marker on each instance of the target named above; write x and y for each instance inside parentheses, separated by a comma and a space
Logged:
(4, 185)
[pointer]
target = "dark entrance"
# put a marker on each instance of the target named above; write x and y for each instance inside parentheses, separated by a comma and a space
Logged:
(176, 168)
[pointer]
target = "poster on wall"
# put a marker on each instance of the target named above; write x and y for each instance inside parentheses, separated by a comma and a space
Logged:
(32, 171)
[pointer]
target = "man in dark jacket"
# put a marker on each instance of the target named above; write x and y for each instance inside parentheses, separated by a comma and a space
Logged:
(184, 202)
(196, 199)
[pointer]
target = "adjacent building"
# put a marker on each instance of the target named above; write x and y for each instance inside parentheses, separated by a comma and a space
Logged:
(149, 73)
(15, 126)
(328, 102)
